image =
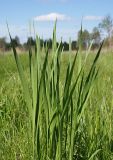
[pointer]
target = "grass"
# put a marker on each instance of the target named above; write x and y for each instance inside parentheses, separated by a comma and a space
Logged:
(48, 115)
(96, 126)
(97, 116)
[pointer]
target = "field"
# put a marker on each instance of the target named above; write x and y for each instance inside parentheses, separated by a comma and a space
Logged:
(92, 137)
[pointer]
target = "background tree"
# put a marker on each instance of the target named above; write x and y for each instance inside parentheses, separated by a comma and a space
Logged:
(48, 43)
(30, 42)
(107, 26)
(74, 45)
(96, 37)
(85, 38)
(2, 43)
(16, 41)
(65, 46)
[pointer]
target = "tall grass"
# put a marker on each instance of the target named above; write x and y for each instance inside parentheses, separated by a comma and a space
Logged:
(58, 109)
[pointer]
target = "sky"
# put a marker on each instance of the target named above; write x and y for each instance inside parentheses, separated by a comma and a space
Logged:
(22, 14)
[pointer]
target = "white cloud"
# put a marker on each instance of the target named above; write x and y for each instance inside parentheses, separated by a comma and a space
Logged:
(92, 18)
(52, 17)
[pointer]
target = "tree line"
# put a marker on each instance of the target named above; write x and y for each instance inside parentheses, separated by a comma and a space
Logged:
(6, 46)
(104, 27)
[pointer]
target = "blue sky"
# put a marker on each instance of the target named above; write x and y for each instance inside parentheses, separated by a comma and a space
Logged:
(19, 13)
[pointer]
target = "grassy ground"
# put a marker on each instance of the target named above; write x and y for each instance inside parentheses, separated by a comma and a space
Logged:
(95, 134)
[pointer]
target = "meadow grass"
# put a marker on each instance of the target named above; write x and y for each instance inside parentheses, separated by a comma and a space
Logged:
(96, 124)
(56, 106)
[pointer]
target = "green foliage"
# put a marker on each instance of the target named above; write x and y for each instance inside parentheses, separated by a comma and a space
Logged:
(67, 112)
(61, 111)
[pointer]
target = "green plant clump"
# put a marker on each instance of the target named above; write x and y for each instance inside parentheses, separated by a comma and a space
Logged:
(64, 122)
